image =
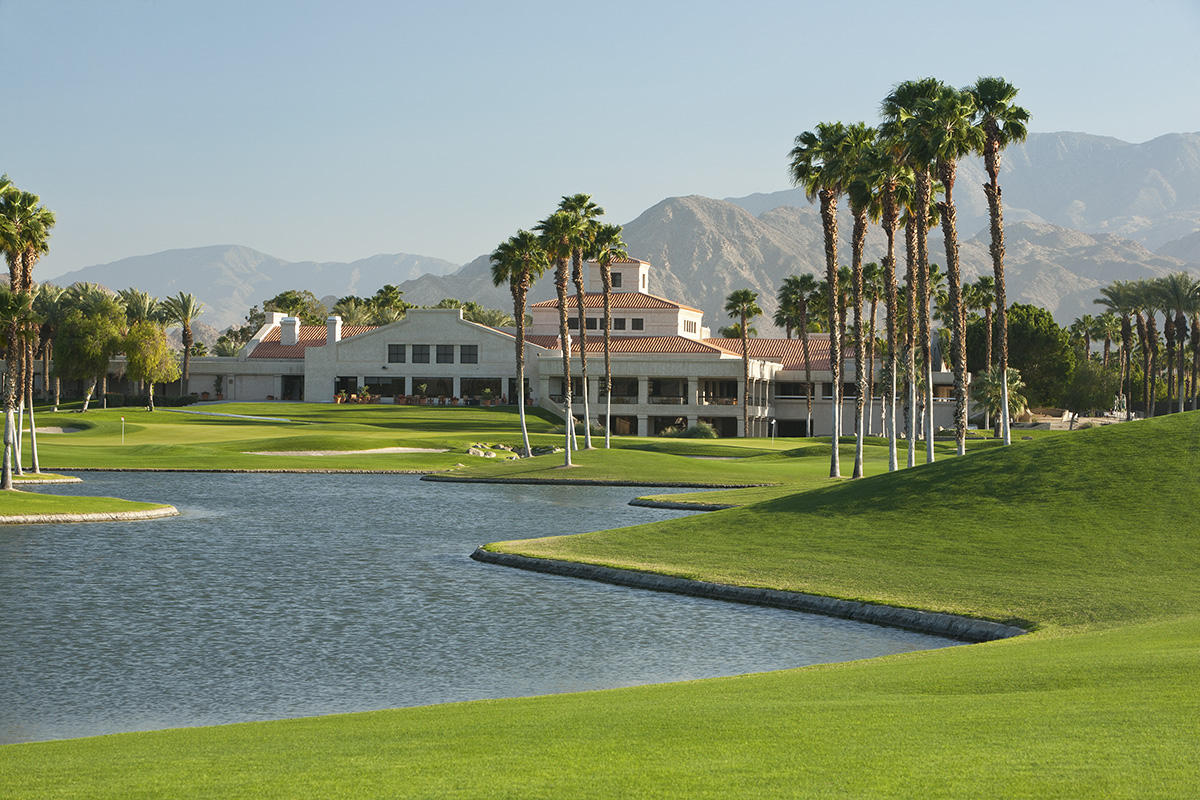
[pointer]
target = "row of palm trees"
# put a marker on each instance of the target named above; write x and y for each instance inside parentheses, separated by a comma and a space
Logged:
(566, 238)
(1137, 304)
(892, 175)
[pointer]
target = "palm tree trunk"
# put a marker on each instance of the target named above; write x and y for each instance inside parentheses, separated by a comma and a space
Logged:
(1181, 332)
(606, 282)
(987, 359)
(1152, 373)
(889, 280)
(518, 295)
(1169, 335)
(807, 370)
(829, 224)
(958, 334)
(1145, 348)
(187, 359)
(57, 392)
(745, 379)
(104, 390)
(37, 467)
(910, 338)
(924, 190)
(564, 339)
(996, 213)
(871, 368)
(857, 242)
(577, 275)
(1126, 372)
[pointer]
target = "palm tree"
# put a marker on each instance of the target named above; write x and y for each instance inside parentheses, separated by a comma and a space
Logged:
(990, 393)
(873, 292)
(789, 296)
(24, 237)
(1002, 123)
(608, 248)
(1120, 298)
(586, 213)
(16, 318)
(1195, 354)
(947, 122)
(818, 164)
(520, 261)
(859, 142)
(795, 294)
(48, 304)
(183, 309)
(1177, 292)
(742, 304)
(983, 294)
(901, 126)
(1080, 332)
(1108, 328)
(559, 231)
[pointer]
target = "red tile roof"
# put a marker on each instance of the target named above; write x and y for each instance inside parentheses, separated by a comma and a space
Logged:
(310, 336)
(619, 300)
(630, 344)
(787, 352)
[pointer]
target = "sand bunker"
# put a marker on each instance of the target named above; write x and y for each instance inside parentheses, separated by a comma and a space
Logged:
(56, 429)
(347, 452)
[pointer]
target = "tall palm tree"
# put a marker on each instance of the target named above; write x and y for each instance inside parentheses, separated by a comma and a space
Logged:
(16, 320)
(1107, 329)
(559, 231)
(859, 144)
(903, 127)
(1002, 123)
(873, 292)
(48, 304)
(947, 119)
(742, 304)
(818, 164)
(183, 309)
(140, 306)
(810, 298)
(789, 296)
(609, 248)
(586, 213)
(1195, 342)
(984, 296)
(520, 261)
(1080, 332)
(24, 237)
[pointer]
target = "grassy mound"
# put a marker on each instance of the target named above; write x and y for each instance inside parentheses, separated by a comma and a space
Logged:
(19, 503)
(1091, 536)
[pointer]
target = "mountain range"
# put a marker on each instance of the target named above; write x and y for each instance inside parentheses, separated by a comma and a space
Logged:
(1080, 212)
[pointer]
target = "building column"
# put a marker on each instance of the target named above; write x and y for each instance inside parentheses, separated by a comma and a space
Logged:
(456, 386)
(643, 425)
(643, 391)
(693, 392)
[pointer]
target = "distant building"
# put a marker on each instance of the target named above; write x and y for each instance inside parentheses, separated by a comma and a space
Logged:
(668, 371)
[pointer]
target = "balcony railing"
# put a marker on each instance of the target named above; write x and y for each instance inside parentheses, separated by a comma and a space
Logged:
(668, 400)
(718, 401)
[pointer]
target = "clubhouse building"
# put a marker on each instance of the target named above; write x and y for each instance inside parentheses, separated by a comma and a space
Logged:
(668, 371)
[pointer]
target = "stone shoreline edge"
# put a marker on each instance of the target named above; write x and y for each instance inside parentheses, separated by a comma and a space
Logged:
(673, 505)
(939, 624)
(97, 516)
(596, 482)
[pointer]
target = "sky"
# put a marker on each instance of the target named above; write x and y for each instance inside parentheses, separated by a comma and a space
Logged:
(332, 131)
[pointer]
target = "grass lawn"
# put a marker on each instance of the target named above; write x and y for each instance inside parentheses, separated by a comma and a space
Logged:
(19, 503)
(1090, 538)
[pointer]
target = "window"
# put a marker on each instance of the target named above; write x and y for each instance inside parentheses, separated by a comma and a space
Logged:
(445, 354)
(573, 323)
(468, 354)
(396, 353)
(592, 323)
(689, 326)
(618, 323)
(420, 353)
(616, 280)
(636, 323)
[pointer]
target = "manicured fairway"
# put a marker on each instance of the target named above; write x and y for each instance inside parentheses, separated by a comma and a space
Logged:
(1090, 538)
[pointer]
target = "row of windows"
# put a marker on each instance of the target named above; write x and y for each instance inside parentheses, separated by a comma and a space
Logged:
(444, 353)
(618, 323)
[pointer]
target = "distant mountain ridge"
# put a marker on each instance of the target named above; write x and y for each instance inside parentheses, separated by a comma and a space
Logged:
(1080, 212)
(229, 279)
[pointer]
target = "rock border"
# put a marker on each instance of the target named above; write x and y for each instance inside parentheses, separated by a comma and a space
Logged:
(40, 481)
(247, 470)
(97, 516)
(952, 626)
(593, 482)
(673, 505)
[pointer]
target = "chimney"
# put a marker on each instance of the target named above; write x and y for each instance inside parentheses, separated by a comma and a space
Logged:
(333, 329)
(289, 331)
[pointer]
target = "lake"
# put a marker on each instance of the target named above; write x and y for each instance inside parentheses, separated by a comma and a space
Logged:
(291, 595)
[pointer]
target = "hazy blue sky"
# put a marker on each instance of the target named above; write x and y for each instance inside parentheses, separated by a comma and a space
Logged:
(333, 131)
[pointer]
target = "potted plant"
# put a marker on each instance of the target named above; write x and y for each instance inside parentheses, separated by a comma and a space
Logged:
(487, 396)
(422, 399)
(340, 397)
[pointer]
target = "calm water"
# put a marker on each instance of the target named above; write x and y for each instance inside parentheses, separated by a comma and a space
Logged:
(291, 595)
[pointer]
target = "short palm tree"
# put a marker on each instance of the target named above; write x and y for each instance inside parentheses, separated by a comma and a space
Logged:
(990, 394)
(1120, 298)
(183, 309)
(608, 248)
(819, 165)
(1002, 123)
(742, 304)
(520, 261)
(799, 291)
(1178, 292)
